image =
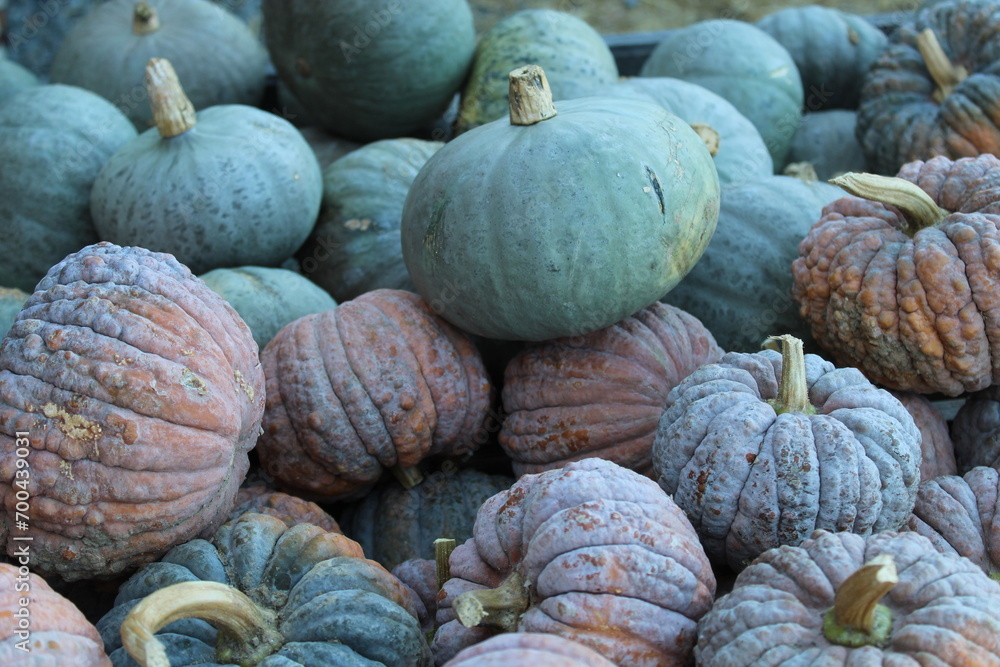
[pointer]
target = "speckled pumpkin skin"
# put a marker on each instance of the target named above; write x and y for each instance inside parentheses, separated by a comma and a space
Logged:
(261, 499)
(529, 648)
(915, 314)
(944, 607)
(140, 393)
(961, 515)
(57, 633)
(937, 452)
(899, 120)
(750, 479)
(576, 59)
(975, 431)
(609, 560)
(334, 606)
(601, 394)
(378, 381)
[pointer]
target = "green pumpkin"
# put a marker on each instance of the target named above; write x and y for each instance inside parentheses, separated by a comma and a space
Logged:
(508, 233)
(107, 52)
(355, 247)
(743, 64)
(328, 148)
(54, 139)
(741, 287)
(827, 141)
(11, 301)
(33, 30)
(832, 50)
(268, 298)
(576, 59)
(232, 186)
(14, 79)
(368, 70)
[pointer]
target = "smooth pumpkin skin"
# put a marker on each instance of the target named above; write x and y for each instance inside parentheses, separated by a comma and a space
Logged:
(975, 431)
(529, 648)
(268, 298)
(14, 79)
(242, 187)
(510, 235)
(355, 246)
(54, 140)
(11, 302)
(371, 70)
(827, 141)
(743, 64)
(739, 289)
(832, 49)
(102, 54)
(576, 59)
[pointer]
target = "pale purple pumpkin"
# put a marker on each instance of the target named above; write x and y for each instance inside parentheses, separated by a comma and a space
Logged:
(529, 648)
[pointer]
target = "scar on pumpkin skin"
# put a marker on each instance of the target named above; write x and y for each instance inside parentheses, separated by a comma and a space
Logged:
(192, 381)
(66, 469)
(76, 427)
(244, 385)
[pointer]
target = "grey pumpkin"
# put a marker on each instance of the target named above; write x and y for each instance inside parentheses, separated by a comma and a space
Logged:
(14, 79)
(825, 139)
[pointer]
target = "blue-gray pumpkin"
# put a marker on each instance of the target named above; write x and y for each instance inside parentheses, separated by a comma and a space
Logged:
(827, 141)
(14, 79)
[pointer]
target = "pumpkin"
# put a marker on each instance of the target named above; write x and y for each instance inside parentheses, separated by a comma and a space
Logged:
(377, 382)
(743, 64)
(529, 648)
(584, 243)
(832, 49)
(761, 449)
(34, 29)
(740, 288)
(355, 246)
(268, 298)
(11, 302)
(900, 285)
(327, 147)
(975, 431)
(934, 89)
(394, 524)
(592, 552)
(229, 186)
(841, 599)
(961, 515)
(41, 626)
(14, 79)
(826, 140)
(600, 394)
(260, 498)
(134, 393)
(107, 52)
(274, 595)
(53, 142)
(937, 454)
(576, 59)
(420, 574)
(370, 70)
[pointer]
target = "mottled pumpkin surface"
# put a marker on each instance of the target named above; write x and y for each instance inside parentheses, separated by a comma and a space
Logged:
(937, 453)
(751, 479)
(975, 431)
(961, 515)
(529, 648)
(944, 608)
(292, 510)
(376, 382)
(601, 394)
(138, 393)
(54, 631)
(607, 559)
(915, 313)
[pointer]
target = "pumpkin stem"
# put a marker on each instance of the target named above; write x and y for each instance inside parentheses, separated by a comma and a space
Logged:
(945, 74)
(709, 135)
(499, 607)
(530, 96)
(804, 171)
(246, 631)
(173, 113)
(918, 209)
(793, 393)
(443, 546)
(857, 619)
(408, 476)
(144, 19)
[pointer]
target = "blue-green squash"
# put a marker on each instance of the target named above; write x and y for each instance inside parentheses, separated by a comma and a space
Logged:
(33, 30)
(827, 141)
(11, 301)
(14, 79)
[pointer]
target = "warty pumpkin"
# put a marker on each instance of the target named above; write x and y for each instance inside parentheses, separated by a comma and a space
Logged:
(261, 498)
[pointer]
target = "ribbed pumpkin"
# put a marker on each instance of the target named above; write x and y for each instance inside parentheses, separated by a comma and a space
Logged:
(377, 382)
(134, 393)
(585, 243)
(937, 454)
(826, 140)
(529, 648)
(593, 552)
(840, 599)
(262, 499)
(601, 394)
(229, 186)
(41, 627)
(14, 79)
(53, 142)
(275, 595)
(961, 515)
(902, 284)
(420, 574)
(935, 89)
(762, 449)
(975, 431)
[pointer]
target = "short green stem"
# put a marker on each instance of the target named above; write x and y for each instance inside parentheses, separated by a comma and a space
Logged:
(500, 607)
(408, 476)
(793, 392)
(857, 619)
(918, 208)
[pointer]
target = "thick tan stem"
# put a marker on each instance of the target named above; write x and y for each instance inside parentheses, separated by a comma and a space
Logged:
(494, 607)
(530, 96)
(173, 113)
(793, 393)
(144, 19)
(917, 207)
(804, 171)
(247, 633)
(408, 476)
(945, 74)
(709, 135)
(443, 546)
(857, 618)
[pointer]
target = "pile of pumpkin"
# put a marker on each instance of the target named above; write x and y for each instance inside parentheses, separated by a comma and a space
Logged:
(554, 288)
